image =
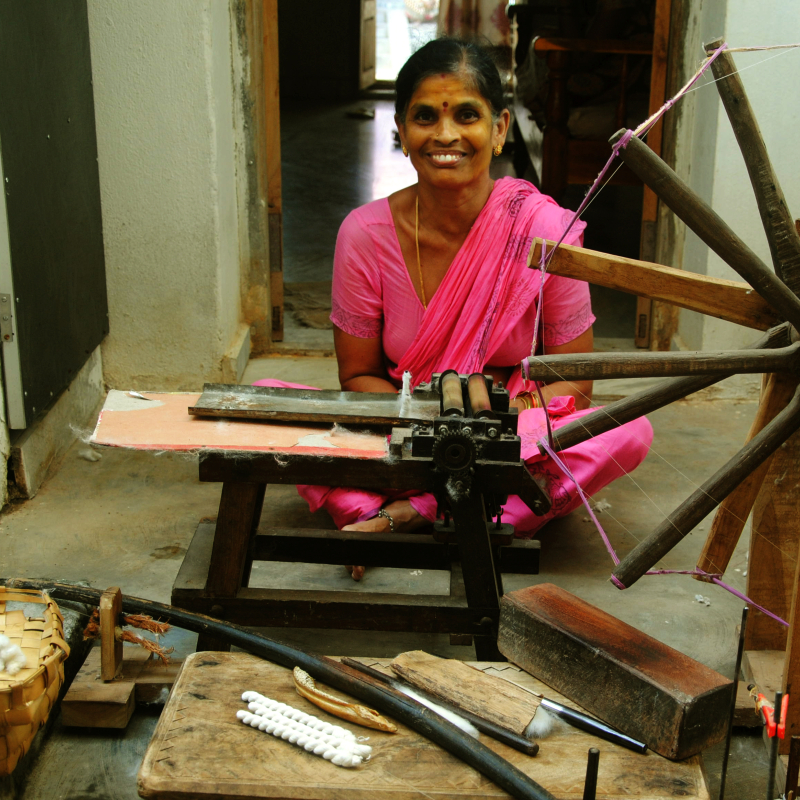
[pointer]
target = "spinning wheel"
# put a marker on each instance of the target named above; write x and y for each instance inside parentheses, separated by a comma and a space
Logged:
(774, 307)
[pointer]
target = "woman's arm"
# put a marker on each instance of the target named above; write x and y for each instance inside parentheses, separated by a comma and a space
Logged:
(361, 364)
(580, 390)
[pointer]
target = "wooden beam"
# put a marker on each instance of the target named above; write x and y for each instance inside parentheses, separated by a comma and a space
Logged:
(732, 515)
(732, 301)
(791, 666)
(692, 511)
(272, 132)
(784, 243)
(594, 366)
(710, 227)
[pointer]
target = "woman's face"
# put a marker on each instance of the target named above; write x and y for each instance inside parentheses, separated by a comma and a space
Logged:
(449, 132)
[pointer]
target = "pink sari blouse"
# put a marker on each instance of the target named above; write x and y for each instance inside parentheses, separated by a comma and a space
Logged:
(485, 308)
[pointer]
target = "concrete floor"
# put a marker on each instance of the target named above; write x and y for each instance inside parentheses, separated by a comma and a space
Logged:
(127, 519)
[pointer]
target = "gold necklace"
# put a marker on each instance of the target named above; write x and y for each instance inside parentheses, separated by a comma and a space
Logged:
(419, 263)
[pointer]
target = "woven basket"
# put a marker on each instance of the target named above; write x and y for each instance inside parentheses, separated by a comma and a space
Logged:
(27, 697)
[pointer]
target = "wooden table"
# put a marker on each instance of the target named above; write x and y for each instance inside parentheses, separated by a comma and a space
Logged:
(245, 456)
(199, 749)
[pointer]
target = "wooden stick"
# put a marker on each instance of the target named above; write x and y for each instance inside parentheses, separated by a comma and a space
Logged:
(732, 301)
(641, 403)
(692, 511)
(110, 608)
(784, 243)
(710, 227)
(791, 667)
(731, 516)
(593, 366)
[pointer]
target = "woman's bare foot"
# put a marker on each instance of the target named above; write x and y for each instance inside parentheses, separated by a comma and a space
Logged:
(405, 519)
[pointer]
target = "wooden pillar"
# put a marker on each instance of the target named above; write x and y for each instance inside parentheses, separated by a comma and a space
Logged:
(272, 131)
(774, 541)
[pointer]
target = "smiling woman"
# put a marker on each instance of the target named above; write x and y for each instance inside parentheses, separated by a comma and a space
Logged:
(435, 277)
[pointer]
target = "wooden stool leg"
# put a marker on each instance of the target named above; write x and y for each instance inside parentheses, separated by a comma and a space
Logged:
(477, 563)
(231, 556)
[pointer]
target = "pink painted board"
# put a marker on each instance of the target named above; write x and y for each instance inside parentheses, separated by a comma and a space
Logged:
(160, 421)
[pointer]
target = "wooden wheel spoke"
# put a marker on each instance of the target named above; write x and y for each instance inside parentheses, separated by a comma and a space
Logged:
(692, 511)
(594, 366)
(641, 403)
(784, 243)
(710, 227)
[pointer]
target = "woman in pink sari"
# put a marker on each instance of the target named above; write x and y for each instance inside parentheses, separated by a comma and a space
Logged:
(435, 277)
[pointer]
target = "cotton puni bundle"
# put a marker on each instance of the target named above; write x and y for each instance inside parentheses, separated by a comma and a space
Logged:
(335, 744)
(12, 659)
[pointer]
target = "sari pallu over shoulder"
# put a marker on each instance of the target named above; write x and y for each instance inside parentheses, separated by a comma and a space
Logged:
(470, 314)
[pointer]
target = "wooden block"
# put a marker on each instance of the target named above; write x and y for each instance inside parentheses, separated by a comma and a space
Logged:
(93, 703)
(110, 648)
(455, 682)
(674, 704)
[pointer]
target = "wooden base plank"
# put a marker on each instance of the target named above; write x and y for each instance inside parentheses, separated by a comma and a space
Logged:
(631, 681)
(92, 702)
(188, 758)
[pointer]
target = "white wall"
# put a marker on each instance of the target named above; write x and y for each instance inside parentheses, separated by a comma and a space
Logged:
(164, 111)
(709, 157)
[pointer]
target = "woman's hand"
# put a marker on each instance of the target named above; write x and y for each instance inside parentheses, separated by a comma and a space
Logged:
(361, 364)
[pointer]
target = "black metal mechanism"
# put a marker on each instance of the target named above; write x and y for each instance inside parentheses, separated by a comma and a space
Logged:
(468, 457)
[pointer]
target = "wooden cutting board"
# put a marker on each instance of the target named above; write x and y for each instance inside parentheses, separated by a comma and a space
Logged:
(200, 750)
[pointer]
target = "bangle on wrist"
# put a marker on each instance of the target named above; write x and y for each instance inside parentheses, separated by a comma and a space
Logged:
(386, 515)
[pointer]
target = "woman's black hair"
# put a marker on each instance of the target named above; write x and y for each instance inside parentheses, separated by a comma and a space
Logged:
(450, 56)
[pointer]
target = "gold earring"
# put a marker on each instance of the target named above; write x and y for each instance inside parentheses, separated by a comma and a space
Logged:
(405, 152)
(498, 148)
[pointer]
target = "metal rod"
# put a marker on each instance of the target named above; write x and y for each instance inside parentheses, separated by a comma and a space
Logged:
(592, 764)
(774, 746)
(736, 670)
(339, 676)
(594, 726)
(607, 366)
(701, 502)
(452, 397)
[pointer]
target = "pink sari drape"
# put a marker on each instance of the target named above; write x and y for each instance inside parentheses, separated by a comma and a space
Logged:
(478, 303)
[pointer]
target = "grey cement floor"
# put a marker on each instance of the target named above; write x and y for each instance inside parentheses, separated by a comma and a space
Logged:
(127, 519)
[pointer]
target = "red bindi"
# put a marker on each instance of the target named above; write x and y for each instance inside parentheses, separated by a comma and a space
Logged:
(444, 105)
